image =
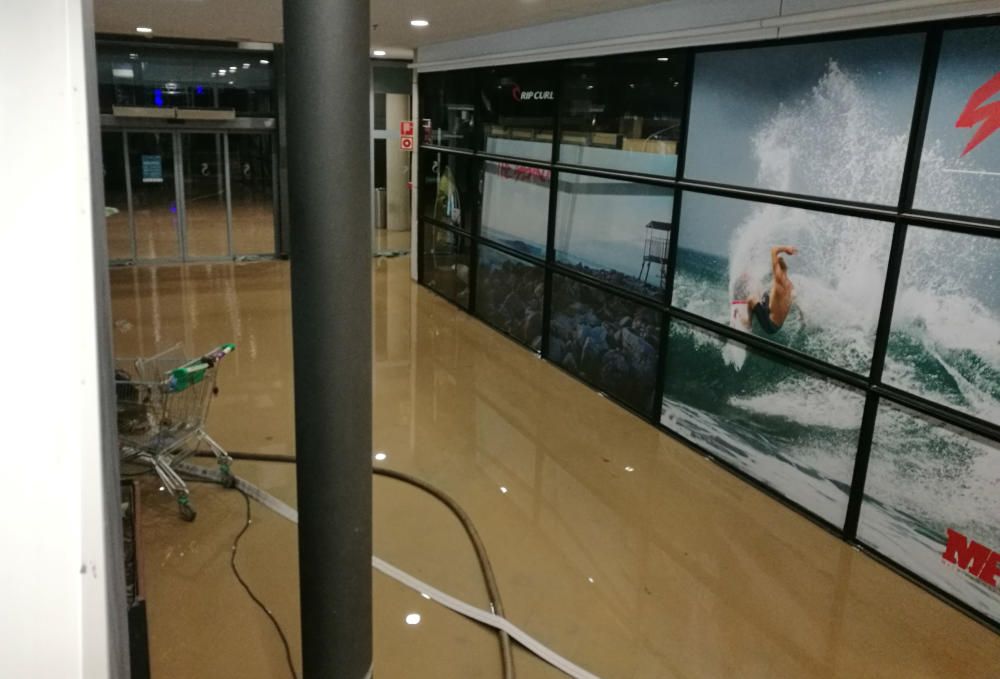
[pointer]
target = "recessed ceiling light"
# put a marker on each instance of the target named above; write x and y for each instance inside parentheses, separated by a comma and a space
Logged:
(143, 29)
(265, 62)
(413, 619)
(419, 23)
(246, 65)
(133, 55)
(503, 489)
(379, 53)
(380, 456)
(231, 82)
(663, 58)
(222, 71)
(232, 69)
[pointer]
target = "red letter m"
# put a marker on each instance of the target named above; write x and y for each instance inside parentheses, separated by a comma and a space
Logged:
(967, 555)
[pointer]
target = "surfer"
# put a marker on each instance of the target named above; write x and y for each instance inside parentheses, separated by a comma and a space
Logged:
(772, 307)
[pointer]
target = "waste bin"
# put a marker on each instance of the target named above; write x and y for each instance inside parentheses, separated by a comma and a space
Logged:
(381, 209)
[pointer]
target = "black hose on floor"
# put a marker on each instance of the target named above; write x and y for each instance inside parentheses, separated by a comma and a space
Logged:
(506, 651)
(485, 565)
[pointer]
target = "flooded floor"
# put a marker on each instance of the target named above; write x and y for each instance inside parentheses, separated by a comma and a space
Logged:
(612, 543)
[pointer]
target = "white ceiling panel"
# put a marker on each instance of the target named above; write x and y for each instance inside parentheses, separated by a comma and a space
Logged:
(260, 20)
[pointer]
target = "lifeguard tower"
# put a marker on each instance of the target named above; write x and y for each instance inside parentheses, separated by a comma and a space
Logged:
(656, 251)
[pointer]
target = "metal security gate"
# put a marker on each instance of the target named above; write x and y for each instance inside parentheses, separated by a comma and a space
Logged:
(193, 195)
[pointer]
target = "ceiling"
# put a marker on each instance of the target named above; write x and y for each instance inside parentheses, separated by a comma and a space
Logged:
(260, 20)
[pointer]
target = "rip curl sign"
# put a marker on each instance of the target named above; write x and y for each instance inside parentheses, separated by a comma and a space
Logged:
(978, 112)
(531, 95)
(972, 557)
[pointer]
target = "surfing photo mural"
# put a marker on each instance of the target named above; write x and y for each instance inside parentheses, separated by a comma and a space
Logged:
(790, 430)
(618, 232)
(926, 483)
(828, 119)
(960, 163)
(515, 206)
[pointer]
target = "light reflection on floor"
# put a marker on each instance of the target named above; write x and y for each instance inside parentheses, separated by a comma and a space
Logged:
(612, 543)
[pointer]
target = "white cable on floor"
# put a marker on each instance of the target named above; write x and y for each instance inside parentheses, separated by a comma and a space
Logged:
(446, 600)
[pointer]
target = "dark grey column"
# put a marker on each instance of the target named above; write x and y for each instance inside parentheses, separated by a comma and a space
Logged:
(326, 49)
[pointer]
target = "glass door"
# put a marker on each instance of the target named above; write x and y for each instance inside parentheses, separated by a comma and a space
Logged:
(116, 197)
(206, 222)
(251, 178)
(154, 195)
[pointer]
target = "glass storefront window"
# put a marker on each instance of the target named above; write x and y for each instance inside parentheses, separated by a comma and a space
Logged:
(791, 430)
(960, 164)
(931, 489)
(829, 118)
(448, 108)
(623, 112)
(518, 110)
(446, 188)
(618, 232)
(446, 263)
(606, 340)
(509, 295)
(515, 206)
(822, 274)
(945, 338)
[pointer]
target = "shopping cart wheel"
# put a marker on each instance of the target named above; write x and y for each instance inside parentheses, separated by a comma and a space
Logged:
(187, 511)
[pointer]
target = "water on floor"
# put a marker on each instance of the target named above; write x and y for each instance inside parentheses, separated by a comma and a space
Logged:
(612, 543)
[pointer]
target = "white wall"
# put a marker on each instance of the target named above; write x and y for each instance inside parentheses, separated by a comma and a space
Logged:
(687, 22)
(53, 593)
(397, 163)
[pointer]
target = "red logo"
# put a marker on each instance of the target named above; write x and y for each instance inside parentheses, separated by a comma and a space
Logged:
(515, 92)
(973, 557)
(977, 111)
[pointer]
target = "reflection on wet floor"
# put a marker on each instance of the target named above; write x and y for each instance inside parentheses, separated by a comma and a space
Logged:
(611, 542)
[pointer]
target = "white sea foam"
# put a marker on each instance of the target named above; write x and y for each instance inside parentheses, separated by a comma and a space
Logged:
(809, 402)
(839, 272)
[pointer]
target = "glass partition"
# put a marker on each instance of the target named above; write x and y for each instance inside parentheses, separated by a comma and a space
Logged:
(623, 112)
(447, 188)
(618, 232)
(518, 110)
(606, 340)
(812, 281)
(448, 108)
(945, 338)
(447, 263)
(515, 206)
(960, 164)
(789, 429)
(510, 295)
(931, 504)
(829, 118)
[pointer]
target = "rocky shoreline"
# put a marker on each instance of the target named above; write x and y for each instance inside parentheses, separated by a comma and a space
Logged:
(605, 339)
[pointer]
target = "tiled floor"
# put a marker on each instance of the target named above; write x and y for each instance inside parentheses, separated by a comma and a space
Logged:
(675, 569)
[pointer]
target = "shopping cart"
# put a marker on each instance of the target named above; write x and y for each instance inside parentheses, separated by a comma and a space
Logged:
(162, 407)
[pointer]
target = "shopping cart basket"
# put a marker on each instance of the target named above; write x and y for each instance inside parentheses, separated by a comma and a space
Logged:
(162, 408)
